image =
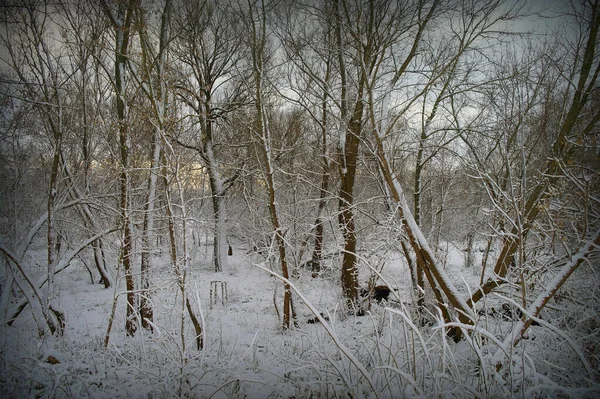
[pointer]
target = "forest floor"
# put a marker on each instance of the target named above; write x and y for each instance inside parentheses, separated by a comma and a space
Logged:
(247, 354)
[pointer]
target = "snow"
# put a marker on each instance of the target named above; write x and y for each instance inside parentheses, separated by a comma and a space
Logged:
(384, 354)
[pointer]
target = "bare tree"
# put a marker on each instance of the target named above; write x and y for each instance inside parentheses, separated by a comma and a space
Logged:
(576, 123)
(310, 46)
(121, 17)
(82, 32)
(40, 70)
(208, 49)
(371, 32)
(261, 54)
(154, 68)
(179, 261)
(475, 22)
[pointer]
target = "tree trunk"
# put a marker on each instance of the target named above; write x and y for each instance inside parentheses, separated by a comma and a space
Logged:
(7, 288)
(146, 312)
(346, 204)
(53, 242)
(122, 23)
(157, 94)
(100, 261)
(258, 25)
(220, 246)
(419, 267)
(179, 273)
(89, 220)
(318, 249)
(288, 313)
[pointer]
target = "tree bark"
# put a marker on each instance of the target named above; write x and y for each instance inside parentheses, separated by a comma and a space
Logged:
(346, 204)
(220, 246)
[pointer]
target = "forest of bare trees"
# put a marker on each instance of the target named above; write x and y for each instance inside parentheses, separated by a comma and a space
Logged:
(317, 137)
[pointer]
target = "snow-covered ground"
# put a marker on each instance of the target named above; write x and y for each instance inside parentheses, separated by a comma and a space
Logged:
(247, 355)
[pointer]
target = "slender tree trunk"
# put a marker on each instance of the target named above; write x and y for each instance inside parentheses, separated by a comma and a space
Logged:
(97, 246)
(418, 182)
(122, 20)
(349, 157)
(7, 289)
(318, 249)
(88, 219)
(157, 94)
(288, 313)
(419, 267)
(206, 69)
(262, 129)
(146, 312)
(52, 116)
(52, 238)
(324, 189)
(179, 273)
(127, 246)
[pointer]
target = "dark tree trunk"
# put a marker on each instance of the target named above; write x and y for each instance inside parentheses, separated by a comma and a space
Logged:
(124, 13)
(346, 203)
